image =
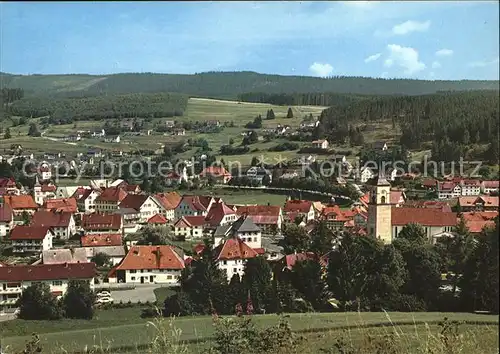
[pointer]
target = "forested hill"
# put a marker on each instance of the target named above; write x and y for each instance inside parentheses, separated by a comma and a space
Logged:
(456, 117)
(227, 85)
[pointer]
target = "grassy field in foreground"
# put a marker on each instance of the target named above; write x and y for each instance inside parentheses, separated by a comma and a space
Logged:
(122, 329)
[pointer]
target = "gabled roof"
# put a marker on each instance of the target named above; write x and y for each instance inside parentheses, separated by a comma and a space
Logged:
(259, 210)
(190, 221)
(20, 202)
(51, 218)
(7, 182)
(477, 221)
(48, 272)
(48, 188)
(297, 206)
(98, 240)
(234, 248)
(397, 197)
(82, 193)
(157, 219)
(133, 201)
(491, 184)
(244, 224)
(488, 201)
(423, 216)
(217, 213)
(98, 221)
(112, 194)
(432, 204)
(64, 255)
(25, 232)
(169, 201)
(151, 257)
(216, 171)
(6, 213)
(194, 202)
(61, 204)
(291, 259)
(112, 251)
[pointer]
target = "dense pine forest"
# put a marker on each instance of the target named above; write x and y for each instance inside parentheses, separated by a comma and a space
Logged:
(227, 85)
(103, 107)
(451, 121)
(302, 99)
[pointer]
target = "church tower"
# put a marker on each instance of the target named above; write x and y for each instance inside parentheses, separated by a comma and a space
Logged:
(37, 189)
(379, 211)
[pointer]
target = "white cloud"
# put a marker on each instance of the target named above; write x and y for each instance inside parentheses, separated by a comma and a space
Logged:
(360, 4)
(444, 52)
(373, 57)
(436, 65)
(410, 26)
(404, 57)
(482, 64)
(321, 70)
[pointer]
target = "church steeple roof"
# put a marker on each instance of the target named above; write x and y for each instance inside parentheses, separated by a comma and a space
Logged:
(381, 180)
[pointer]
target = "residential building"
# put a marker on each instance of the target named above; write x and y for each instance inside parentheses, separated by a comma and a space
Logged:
(481, 203)
(231, 256)
(268, 218)
(458, 187)
(14, 279)
(189, 227)
(115, 253)
(220, 214)
(102, 223)
(85, 199)
(320, 144)
(6, 220)
(488, 187)
(8, 186)
(21, 203)
(334, 217)
(243, 228)
(366, 174)
(257, 174)
(61, 223)
(151, 265)
(433, 204)
(109, 199)
(43, 192)
(101, 240)
(179, 131)
(145, 205)
(64, 255)
(218, 173)
(61, 205)
(157, 219)
(193, 205)
(31, 239)
(299, 208)
(131, 220)
(397, 197)
(67, 191)
(476, 221)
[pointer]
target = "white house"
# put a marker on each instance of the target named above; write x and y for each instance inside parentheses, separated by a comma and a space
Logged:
(13, 279)
(366, 174)
(109, 199)
(31, 239)
(85, 199)
(489, 186)
(243, 228)
(268, 218)
(193, 205)
(169, 202)
(62, 224)
(150, 265)
(232, 256)
(189, 227)
(320, 144)
(257, 174)
(145, 205)
(304, 208)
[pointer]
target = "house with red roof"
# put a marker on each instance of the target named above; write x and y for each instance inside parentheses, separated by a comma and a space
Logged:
(218, 173)
(62, 223)
(432, 204)
(61, 204)
(268, 217)
(8, 186)
(481, 203)
(157, 219)
(85, 199)
(334, 217)
(489, 186)
(109, 199)
(476, 221)
(193, 205)
(243, 228)
(151, 265)
(101, 240)
(189, 227)
(220, 214)
(21, 203)
(434, 221)
(457, 187)
(28, 239)
(145, 205)
(232, 254)
(15, 278)
(102, 223)
(302, 208)
(6, 220)
(168, 202)
(290, 260)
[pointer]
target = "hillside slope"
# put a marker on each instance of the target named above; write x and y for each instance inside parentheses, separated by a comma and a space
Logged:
(226, 85)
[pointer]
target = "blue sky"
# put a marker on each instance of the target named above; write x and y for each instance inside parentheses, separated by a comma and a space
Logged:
(427, 40)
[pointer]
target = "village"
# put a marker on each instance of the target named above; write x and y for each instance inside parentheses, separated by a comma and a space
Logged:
(92, 232)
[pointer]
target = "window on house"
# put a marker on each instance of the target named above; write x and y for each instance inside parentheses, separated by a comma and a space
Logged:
(132, 271)
(132, 278)
(57, 283)
(235, 270)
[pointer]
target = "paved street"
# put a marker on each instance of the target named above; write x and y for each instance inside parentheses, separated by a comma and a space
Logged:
(141, 293)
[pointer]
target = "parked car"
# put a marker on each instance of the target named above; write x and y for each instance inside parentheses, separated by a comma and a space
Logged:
(104, 300)
(103, 294)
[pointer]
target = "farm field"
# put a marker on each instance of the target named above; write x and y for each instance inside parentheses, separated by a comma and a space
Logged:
(243, 196)
(122, 330)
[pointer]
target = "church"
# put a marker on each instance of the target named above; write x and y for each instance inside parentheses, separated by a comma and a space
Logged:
(385, 220)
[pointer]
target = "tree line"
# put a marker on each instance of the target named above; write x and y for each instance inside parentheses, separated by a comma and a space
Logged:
(359, 274)
(67, 110)
(301, 99)
(228, 85)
